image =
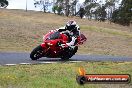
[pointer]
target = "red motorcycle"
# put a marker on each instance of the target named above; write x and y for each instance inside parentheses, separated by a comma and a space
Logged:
(52, 46)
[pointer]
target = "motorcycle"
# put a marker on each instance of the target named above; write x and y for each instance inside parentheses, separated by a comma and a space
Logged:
(52, 46)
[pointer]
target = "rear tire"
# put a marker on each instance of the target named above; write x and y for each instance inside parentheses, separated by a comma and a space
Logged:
(75, 50)
(65, 57)
(36, 53)
(69, 53)
(65, 54)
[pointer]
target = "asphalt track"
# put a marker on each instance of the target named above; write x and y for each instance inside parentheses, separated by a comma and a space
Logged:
(21, 58)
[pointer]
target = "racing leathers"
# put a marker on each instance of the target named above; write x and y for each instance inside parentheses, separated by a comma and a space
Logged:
(71, 34)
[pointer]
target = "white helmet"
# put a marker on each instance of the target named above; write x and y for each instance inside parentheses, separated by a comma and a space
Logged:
(71, 25)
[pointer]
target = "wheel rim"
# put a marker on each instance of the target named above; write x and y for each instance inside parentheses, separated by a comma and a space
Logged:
(38, 54)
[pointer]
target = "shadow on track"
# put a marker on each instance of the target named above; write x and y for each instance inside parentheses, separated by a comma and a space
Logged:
(55, 60)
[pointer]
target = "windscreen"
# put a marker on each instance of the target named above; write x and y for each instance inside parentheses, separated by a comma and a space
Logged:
(53, 36)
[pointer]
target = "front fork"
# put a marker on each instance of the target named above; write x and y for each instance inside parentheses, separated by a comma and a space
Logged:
(45, 49)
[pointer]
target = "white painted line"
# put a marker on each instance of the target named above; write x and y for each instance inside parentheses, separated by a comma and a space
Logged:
(47, 62)
(75, 61)
(10, 64)
(25, 63)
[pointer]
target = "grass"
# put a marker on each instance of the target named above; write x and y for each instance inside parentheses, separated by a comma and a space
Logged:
(109, 31)
(59, 75)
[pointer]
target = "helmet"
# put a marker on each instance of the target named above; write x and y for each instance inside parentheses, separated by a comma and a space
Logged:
(71, 25)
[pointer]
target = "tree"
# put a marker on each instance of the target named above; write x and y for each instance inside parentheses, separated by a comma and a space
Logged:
(102, 14)
(3, 3)
(94, 9)
(87, 7)
(110, 6)
(81, 12)
(97, 11)
(66, 6)
(54, 9)
(115, 16)
(74, 6)
(123, 15)
(42, 3)
(90, 7)
(58, 7)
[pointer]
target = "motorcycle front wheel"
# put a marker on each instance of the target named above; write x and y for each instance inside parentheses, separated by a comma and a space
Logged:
(36, 53)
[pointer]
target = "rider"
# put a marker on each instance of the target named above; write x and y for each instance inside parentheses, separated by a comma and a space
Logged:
(73, 31)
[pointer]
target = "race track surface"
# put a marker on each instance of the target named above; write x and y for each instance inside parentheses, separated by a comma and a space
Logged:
(21, 58)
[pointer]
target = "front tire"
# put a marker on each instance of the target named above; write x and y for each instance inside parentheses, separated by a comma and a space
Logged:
(36, 53)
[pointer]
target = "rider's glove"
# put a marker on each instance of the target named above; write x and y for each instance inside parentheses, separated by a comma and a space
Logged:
(64, 45)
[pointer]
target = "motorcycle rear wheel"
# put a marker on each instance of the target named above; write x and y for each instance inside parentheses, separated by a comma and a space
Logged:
(36, 53)
(69, 53)
(65, 57)
(75, 50)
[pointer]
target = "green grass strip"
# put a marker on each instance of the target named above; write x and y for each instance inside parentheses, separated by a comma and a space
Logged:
(106, 30)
